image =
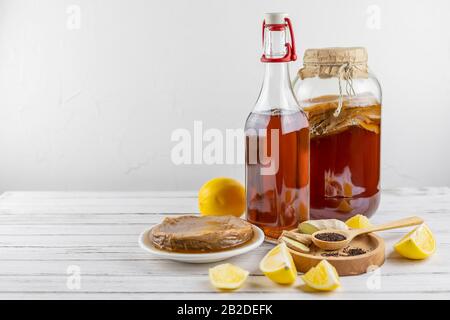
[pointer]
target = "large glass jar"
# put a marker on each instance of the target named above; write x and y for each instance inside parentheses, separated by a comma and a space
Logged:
(343, 102)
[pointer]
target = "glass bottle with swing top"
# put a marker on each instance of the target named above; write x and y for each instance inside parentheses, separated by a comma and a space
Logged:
(277, 139)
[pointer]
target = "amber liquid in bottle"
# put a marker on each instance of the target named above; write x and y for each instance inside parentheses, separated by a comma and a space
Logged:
(277, 146)
(278, 201)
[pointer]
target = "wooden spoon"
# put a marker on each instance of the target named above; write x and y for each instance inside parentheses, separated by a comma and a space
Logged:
(350, 234)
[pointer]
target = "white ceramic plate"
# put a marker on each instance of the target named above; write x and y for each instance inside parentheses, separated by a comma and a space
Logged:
(255, 242)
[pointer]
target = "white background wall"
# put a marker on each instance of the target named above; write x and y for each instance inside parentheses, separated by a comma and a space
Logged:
(94, 107)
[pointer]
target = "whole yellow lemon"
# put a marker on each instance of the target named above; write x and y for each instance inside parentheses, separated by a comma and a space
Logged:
(220, 197)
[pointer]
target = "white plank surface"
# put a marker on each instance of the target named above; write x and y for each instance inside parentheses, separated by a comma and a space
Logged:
(43, 233)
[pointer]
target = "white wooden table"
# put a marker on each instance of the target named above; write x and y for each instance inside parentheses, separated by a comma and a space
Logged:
(47, 237)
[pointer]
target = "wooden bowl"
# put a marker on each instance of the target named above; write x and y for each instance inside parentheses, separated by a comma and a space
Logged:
(348, 265)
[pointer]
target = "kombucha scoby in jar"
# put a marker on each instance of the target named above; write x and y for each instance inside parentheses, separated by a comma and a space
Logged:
(345, 157)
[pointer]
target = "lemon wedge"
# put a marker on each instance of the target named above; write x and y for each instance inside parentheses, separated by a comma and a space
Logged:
(323, 277)
(344, 206)
(418, 244)
(227, 276)
(358, 222)
(278, 265)
(348, 189)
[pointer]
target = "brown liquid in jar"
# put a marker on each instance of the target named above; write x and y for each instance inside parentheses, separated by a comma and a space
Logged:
(278, 201)
(345, 157)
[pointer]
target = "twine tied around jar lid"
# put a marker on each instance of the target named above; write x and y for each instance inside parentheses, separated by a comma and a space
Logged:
(345, 64)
